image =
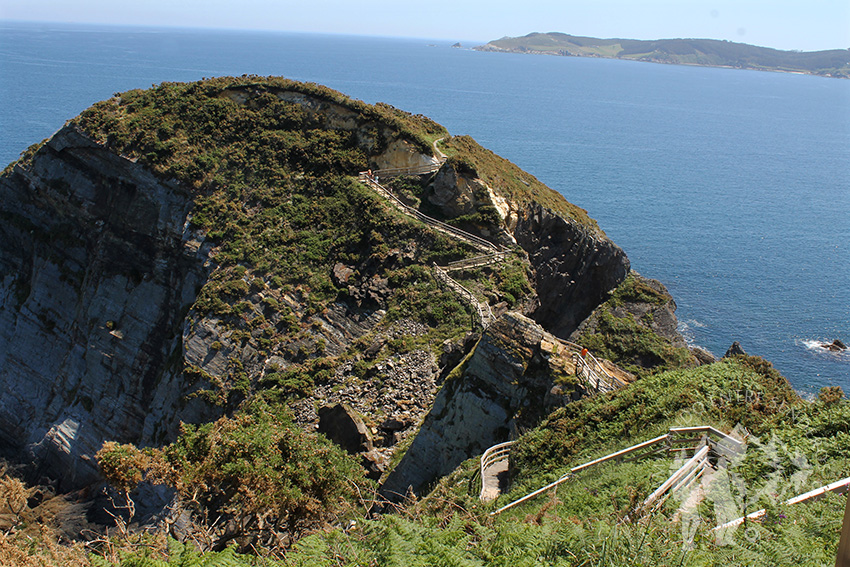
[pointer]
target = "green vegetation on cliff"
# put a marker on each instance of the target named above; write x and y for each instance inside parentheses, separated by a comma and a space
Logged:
(793, 446)
(706, 52)
(614, 332)
(271, 165)
(512, 183)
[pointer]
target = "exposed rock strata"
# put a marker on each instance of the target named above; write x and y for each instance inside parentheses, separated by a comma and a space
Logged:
(510, 381)
(97, 269)
(574, 267)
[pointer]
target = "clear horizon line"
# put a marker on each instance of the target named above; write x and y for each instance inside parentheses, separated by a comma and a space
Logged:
(470, 42)
(233, 29)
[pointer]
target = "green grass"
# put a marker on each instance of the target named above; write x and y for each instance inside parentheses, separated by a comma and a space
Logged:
(585, 523)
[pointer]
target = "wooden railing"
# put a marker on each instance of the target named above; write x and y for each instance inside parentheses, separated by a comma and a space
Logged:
(415, 170)
(492, 254)
(471, 239)
(477, 261)
(482, 309)
(840, 486)
(494, 455)
(724, 444)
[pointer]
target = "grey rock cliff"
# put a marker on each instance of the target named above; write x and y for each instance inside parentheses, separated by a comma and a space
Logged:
(508, 382)
(574, 267)
(97, 271)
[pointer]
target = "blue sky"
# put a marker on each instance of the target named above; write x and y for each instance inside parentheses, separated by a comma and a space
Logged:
(785, 24)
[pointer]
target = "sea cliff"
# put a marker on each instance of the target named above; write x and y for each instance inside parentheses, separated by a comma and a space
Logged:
(196, 258)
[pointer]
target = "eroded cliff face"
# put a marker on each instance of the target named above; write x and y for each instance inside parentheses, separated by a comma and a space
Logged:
(97, 271)
(514, 377)
(574, 267)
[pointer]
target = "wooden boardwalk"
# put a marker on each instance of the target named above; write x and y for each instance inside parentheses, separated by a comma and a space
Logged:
(492, 254)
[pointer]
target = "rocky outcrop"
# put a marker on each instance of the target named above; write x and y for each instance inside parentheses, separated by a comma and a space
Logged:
(574, 267)
(97, 270)
(735, 350)
(651, 306)
(835, 346)
(510, 381)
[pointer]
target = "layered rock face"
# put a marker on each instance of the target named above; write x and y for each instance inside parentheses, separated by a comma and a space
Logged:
(574, 265)
(508, 382)
(574, 268)
(97, 271)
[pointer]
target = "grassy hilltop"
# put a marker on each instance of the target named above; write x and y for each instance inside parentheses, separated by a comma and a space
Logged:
(705, 52)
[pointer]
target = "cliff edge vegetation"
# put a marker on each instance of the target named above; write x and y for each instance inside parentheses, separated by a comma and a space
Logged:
(216, 342)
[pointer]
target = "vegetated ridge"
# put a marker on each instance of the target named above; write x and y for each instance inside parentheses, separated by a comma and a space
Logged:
(201, 304)
(703, 52)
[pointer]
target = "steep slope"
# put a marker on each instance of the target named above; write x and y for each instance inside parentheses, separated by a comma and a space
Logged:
(174, 252)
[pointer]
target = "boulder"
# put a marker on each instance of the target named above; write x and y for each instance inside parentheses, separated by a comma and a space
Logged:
(343, 426)
(341, 273)
(703, 356)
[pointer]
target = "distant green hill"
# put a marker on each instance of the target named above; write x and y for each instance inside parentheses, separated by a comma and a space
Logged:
(705, 52)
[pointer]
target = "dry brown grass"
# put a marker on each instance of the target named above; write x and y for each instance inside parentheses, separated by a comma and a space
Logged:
(25, 549)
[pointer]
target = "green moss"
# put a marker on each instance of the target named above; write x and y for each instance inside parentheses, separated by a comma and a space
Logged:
(629, 342)
(632, 346)
(636, 290)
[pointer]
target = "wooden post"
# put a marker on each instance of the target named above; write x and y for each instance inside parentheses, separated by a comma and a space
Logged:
(842, 559)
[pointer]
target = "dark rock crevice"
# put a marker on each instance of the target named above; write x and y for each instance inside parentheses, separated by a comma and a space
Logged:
(574, 267)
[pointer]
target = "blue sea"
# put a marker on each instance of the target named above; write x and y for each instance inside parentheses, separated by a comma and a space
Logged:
(731, 187)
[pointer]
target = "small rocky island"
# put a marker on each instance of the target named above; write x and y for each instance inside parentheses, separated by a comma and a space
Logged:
(835, 346)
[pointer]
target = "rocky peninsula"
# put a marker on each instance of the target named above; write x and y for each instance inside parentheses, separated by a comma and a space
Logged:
(242, 305)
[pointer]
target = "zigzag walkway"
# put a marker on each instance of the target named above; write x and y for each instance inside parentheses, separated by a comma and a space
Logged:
(492, 253)
(710, 445)
(474, 241)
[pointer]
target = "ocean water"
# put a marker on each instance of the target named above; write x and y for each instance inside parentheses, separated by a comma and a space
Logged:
(731, 187)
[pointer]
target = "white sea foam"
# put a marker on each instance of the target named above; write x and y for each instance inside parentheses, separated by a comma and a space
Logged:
(685, 329)
(816, 346)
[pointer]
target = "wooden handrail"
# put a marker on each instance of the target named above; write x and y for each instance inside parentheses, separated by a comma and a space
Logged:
(703, 449)
(471, 239)
(839, 486)
(682, 475)
(493, 455)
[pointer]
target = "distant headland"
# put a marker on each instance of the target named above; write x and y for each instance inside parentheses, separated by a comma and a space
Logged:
(702, 52)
